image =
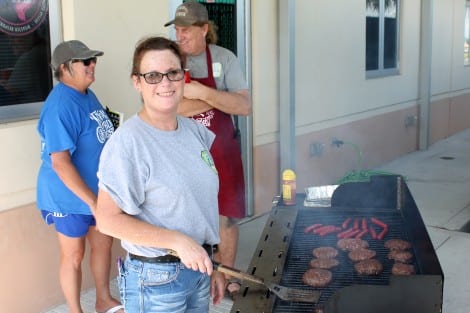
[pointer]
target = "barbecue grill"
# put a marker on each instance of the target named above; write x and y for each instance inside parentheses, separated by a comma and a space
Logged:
(284, 251)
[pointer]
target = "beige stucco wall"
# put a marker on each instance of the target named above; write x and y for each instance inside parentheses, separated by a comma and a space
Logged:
(330, 65)
(114, 27)
(265, 71)
(334, 99)
(18, 163)
(29, 248)
(111, 26)
(30, 262)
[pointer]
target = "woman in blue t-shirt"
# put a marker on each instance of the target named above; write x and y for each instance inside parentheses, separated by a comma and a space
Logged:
(74, 127)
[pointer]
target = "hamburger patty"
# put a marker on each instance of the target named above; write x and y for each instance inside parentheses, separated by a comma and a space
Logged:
(403, 269)
(397, 244)
(317, 277)
(400, 256)
(368, 267)
(325, 252)
(361, 254)
(324, 263)
(349, 244)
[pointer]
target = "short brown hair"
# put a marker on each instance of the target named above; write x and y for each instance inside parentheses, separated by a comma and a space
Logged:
(154, 43)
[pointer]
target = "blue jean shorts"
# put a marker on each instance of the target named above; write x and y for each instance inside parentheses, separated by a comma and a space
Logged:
(71, 225)
(162, 287)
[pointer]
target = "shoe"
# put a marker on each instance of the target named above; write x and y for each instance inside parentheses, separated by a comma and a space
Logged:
(113, 309)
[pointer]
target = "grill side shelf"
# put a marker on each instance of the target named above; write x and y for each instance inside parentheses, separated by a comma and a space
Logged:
(268, 261)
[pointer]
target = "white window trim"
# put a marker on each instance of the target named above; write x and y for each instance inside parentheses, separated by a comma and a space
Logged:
(381, 71)
(466, 63)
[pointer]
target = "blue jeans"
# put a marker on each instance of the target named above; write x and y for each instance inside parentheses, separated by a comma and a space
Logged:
(162, 287)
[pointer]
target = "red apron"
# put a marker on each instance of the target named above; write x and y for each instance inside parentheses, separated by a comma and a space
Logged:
(226, 153)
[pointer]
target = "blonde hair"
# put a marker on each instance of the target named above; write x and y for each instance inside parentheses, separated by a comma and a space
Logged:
(211, 36)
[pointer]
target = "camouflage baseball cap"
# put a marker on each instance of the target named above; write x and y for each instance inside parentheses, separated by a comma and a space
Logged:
(189, 13)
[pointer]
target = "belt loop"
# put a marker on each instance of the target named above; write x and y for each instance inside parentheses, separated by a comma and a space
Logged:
(209, 249)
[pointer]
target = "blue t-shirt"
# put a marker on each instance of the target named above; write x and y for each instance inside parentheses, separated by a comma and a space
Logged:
(77, 122)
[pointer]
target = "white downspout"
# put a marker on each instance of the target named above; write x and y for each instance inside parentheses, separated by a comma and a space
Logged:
(286, 11)
(425, 64)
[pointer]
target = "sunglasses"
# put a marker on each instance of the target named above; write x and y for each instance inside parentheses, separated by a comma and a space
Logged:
(156, 77)
(86, 62)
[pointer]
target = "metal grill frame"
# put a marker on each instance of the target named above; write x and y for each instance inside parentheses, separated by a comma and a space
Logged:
(407, 294)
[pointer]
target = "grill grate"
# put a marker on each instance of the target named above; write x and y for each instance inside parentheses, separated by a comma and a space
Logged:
(301, 246)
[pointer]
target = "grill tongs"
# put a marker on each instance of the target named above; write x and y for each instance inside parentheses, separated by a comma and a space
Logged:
(284, 293)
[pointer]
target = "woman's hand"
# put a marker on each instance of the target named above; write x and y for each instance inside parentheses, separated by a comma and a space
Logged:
(217, 287)
(194, 256)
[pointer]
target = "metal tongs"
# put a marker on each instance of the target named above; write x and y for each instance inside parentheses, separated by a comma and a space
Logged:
(284, 293)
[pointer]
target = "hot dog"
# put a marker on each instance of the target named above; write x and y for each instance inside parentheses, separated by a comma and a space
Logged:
(311, 227)
(373, 233)
(351, 234)
(346, 222)
(382, 234)
(378, 222)
(356, 223)
(361, 233)
(343, 233)
(321, 229)
(330, 229)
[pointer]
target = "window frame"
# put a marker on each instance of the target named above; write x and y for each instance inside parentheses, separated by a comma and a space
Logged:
(28, 111)
(381, 71)
(466, 54)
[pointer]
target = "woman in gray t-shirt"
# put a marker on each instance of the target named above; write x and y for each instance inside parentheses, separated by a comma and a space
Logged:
(158, 191)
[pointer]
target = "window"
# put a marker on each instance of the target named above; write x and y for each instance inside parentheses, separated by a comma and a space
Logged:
(382, 37)
(466, 43)
(223, 14)
(25, 52)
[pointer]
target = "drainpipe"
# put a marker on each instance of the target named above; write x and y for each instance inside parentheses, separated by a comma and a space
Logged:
(425, 63)
(286, 11)
(246, 123)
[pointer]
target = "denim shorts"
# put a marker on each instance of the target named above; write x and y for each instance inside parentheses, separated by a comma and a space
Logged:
(71, 225)
(162, 287)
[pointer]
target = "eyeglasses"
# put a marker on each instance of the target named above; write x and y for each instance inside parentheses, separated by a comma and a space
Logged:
(156, 77)
(86, 62)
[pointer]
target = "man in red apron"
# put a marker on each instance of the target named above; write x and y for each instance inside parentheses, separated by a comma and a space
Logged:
(217, 91)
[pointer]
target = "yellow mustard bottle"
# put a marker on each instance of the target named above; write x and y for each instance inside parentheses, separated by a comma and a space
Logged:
(288, 187)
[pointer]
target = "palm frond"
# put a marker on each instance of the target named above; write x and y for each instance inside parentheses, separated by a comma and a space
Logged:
(374, 4)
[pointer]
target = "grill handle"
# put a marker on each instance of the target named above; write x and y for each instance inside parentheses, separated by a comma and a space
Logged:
(236, 273)
(230, 271)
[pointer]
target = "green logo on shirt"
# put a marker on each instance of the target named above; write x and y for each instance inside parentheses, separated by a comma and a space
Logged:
(205, 155)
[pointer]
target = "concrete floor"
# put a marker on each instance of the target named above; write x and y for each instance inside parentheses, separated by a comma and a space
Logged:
(439, 180)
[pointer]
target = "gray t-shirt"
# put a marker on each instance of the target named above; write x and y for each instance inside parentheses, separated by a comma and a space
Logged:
(165, 178)
(226, 69)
